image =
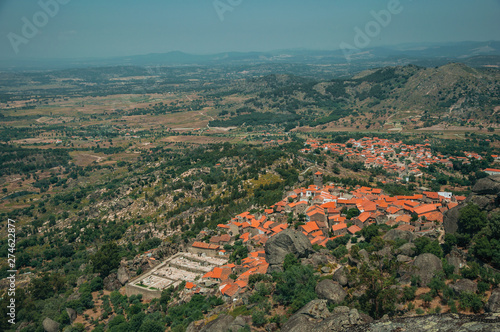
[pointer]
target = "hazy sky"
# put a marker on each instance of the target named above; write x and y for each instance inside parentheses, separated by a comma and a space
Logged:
(101, 28)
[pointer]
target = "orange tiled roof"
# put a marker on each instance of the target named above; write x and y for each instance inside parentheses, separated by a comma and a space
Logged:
(339, 227)
(353, 229)
(204, 245)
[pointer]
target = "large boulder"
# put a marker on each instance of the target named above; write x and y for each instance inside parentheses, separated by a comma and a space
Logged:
(316, 260)
(330, 291)
(49, 325)
(362, 256)
(306, 318)
(111, 282)
(340, 276)
(316, 317)
(493, 304)
(342, 319)
(221, 324)
(427, 266)
(450, 220)
(71, 314)
(395, 234)
(283, 243)
(487, 186)
(457, 258)
(485, 194)
(407, 249)
(122, 275)
(464, 286)
(316, 309)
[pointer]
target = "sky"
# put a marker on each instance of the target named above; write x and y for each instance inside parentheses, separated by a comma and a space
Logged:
(108, 28)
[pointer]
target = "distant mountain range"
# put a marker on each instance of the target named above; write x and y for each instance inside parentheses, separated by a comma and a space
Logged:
(429, 55)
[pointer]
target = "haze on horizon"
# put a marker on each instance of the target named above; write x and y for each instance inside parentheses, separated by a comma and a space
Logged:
(92, 28)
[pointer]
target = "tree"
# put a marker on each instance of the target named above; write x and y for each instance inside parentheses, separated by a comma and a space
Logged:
(290, 260)
(106, 259)
(295, 287)
(471, 219)
(427, 298)
(351, 213)
(379, 298)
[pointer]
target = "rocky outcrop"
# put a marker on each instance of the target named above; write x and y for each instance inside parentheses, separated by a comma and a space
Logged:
(49, 325)
(223, 323)
(330, 291)
(444, 323)
(493, 304)
(283, 243)
(316, 317)
(485, 194)
(395, 234)
(464, 286)
(111, 282)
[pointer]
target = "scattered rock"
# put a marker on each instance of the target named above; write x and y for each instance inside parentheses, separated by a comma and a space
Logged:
(49, 325)
(283, 243)
(331, 291)
(493, 304)
(464, 286)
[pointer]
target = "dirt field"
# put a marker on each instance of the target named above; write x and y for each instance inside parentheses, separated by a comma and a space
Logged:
(196, 139)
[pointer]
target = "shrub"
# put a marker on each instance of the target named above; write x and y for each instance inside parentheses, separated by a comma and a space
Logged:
(471, 301)
(258, 318)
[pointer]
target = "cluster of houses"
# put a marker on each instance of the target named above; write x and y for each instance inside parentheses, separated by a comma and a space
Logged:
(392, 156)
(322, 213)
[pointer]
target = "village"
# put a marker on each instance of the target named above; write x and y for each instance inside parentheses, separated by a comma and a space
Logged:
(321, 212)
(406, 160)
